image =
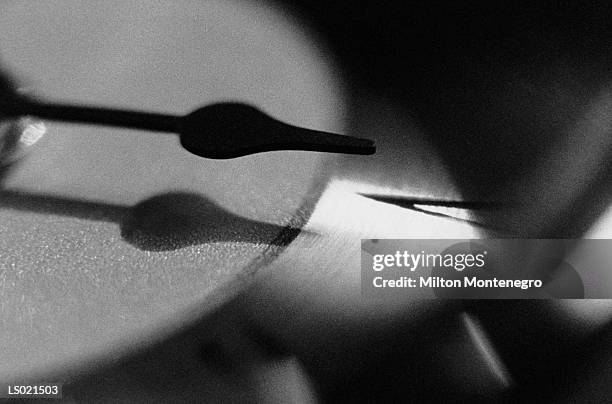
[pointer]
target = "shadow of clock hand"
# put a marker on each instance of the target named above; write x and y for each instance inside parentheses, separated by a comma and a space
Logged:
(163, 222)
(175, 220)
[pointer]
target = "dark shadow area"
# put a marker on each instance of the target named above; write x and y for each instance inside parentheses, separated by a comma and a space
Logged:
(548, 362)
(161, 223)
(217, 359)
(62, 206)
(176, 220)
(494, 87)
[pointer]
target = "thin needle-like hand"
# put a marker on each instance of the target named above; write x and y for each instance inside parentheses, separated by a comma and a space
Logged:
(410, 202)
(421, 204)
(220, 131)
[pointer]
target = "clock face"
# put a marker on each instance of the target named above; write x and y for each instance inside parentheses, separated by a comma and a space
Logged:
(107, 235)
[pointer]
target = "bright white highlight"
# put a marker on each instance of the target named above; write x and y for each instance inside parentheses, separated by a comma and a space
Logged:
(32, 133)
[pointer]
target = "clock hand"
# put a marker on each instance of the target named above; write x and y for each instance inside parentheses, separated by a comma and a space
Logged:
(422, 204)
(409, 202)
(219, 131)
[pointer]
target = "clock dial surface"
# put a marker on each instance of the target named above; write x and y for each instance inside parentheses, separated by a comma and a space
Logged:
(109, 235)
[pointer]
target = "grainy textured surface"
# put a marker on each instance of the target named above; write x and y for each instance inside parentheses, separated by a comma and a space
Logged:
(106, 235)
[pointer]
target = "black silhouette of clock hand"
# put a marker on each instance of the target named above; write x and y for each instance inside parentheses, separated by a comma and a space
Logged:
(218, 131)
